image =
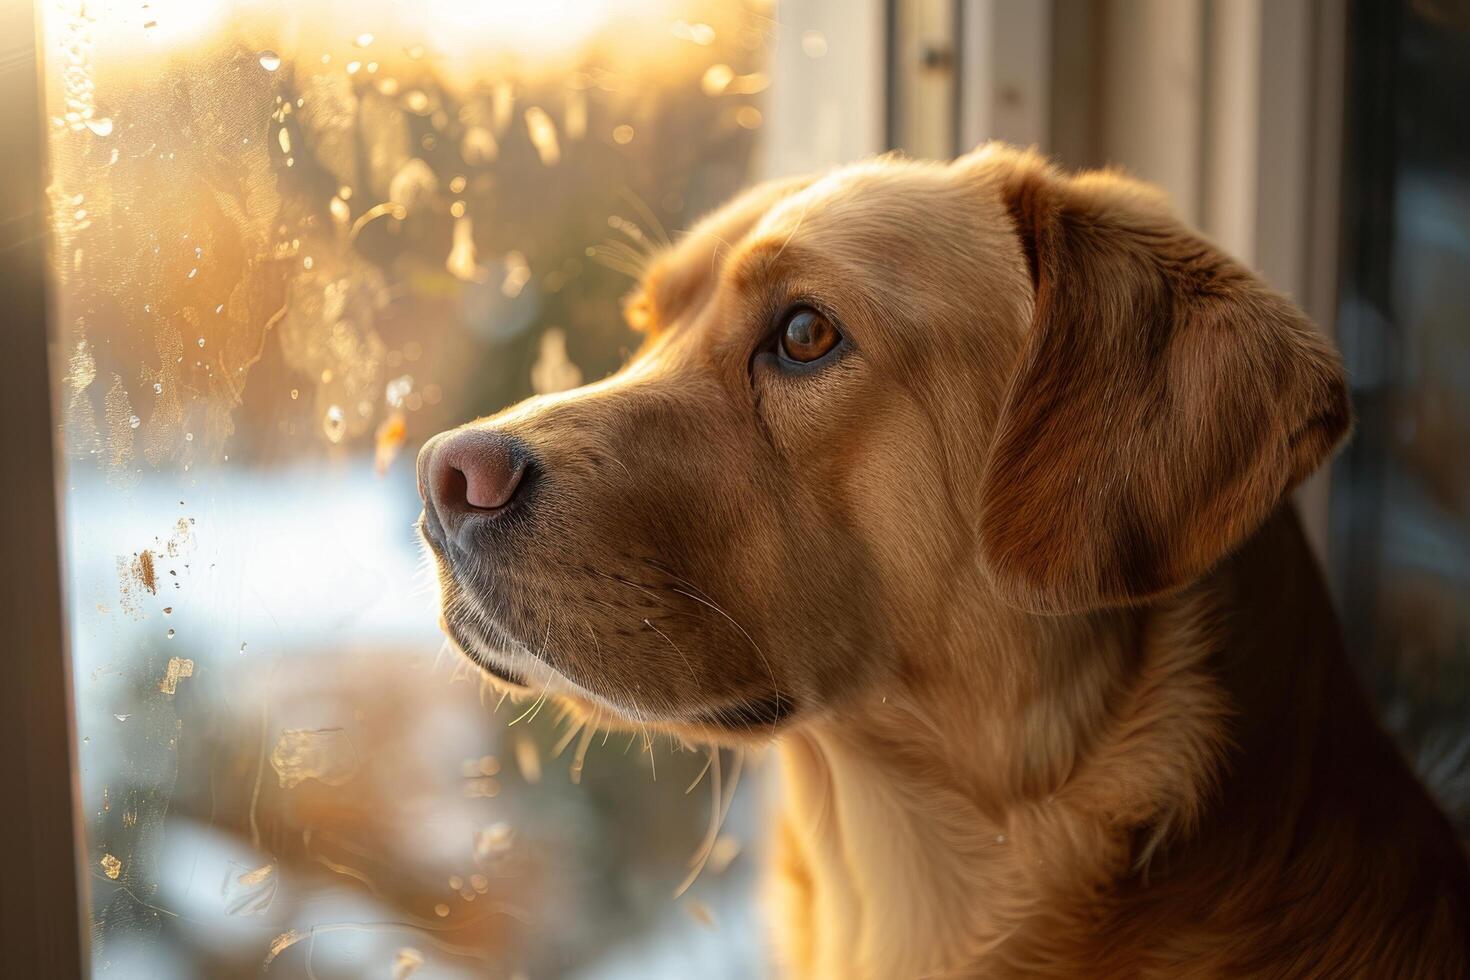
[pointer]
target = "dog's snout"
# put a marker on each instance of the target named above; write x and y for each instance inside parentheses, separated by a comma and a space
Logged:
(472, 471)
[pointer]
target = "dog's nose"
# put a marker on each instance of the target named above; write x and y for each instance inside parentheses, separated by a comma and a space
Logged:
(472, 471)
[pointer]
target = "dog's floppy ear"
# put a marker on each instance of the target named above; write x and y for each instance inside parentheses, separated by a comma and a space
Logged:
(1165, 402)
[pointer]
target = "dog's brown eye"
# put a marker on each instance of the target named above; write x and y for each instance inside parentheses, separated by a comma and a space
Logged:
(807, 335)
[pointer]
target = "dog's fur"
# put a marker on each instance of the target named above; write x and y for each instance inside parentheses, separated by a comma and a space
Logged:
(1013, 579)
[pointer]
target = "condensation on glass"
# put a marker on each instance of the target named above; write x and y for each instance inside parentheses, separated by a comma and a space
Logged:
(291, 242)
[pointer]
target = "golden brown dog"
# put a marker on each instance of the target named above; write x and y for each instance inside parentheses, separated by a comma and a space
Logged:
(968, 482)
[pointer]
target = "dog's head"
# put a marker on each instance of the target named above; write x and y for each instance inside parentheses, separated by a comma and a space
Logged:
(864, 399)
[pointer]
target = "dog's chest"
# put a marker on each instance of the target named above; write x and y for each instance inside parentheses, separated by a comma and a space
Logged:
(873, 885)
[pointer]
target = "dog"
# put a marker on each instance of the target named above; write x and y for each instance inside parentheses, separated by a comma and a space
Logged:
(967, 483)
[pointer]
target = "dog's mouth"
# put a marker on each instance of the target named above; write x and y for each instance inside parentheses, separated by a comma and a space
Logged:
(483, 642)
(461, 637)
(749, 715)
(494, 648)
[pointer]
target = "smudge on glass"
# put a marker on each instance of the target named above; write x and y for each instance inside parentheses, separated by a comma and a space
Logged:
(247, 890)
(178, 669)
(325, 754)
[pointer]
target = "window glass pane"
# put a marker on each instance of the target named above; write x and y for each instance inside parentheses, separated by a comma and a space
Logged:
(1402, 486)
(292, 242)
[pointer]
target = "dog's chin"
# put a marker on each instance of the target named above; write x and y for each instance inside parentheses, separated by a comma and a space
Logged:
(485, 654)
(512, 666)
(503, 659)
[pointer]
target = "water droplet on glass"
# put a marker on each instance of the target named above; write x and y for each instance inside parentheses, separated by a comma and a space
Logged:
(543, 135)
(193, 273)
(363, 39)
(716, 79)
(493, 841)
(134, 421)
(414, 184)
(269, 60)
(295, 394)
(101, 127)
(157, 388)
(334, 424)
(554, 370)
(188, 437)
(406, 962)
(122, 717)
(170, 634)
(201, 341)
(461, 262)
(479, 145)
(748, 117)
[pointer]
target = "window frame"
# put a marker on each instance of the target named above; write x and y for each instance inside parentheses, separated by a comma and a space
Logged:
(42, 889)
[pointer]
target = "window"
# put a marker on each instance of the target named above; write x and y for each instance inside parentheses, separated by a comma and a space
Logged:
(290, 243)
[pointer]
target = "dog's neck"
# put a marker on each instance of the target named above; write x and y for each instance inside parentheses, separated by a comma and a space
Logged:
(1047, 760)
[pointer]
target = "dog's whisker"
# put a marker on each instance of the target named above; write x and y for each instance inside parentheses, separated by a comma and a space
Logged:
(580, 755)
(719, 806)
(698, 779)
(604, 257)
(646, 249)
(566, 739)
(775, 685)
(623, 251)
(647, 214)
(687, 664)
(534, 705)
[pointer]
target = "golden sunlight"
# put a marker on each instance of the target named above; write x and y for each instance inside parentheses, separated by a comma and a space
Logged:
(462, 35)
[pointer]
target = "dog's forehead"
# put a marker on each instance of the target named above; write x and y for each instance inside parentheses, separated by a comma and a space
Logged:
(857, 202)
(787, 215)
(849, 218)
(680, 277)
(780, 208)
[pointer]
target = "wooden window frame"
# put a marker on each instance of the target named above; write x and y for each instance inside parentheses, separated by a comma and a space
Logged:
(41, 909)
